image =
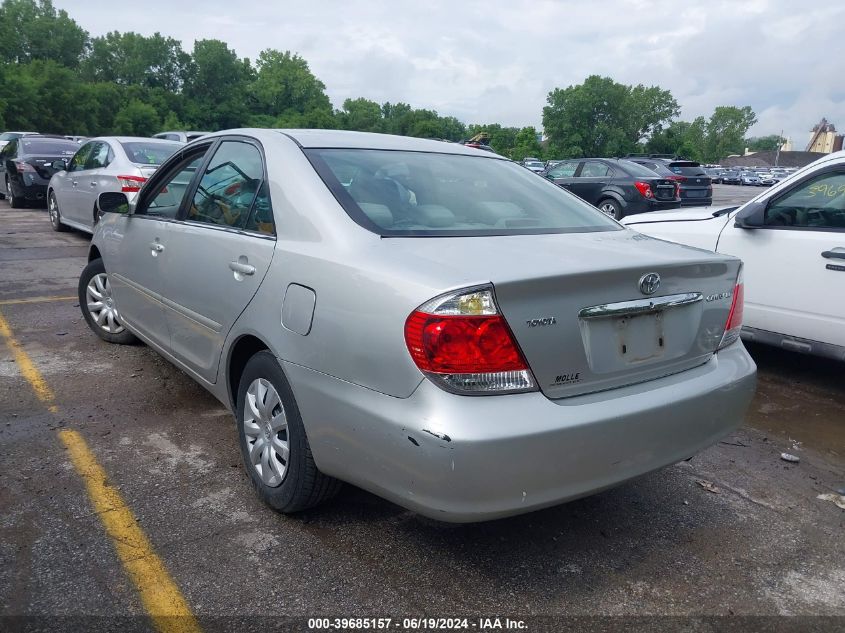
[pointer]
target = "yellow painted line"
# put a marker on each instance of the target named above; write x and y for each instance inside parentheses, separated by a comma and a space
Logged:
(14, 302)
(159, 594)
(27, 367)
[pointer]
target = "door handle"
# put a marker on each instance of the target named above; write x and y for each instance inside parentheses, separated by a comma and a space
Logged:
(72, 183)
(834, 254)
(156, 248)
(243, 269)
(93, 184)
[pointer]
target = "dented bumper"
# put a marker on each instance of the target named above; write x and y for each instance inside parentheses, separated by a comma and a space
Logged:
(461, 459)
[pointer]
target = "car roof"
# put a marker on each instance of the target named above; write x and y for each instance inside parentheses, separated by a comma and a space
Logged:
(343, 139)
(133, 139)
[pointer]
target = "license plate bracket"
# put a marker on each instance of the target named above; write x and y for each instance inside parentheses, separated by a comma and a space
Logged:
(640, 337)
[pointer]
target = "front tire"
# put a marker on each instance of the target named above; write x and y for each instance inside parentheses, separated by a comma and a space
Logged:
(612, 208)
(274, 446)
(55, 215)
(97, 305)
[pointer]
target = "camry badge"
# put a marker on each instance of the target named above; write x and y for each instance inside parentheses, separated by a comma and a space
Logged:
(649, 283)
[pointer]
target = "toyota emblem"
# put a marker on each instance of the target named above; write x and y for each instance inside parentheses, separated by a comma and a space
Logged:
(649, 283)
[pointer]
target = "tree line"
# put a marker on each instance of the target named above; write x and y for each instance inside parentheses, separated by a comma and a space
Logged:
(56, 78)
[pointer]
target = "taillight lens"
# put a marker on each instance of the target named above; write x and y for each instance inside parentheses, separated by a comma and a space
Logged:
(733, 326)
(22, 166)
(644, 188)
(678, 178)
(463, 344)
(129, 184)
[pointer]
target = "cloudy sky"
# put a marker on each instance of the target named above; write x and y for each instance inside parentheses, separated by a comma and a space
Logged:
(496, 60)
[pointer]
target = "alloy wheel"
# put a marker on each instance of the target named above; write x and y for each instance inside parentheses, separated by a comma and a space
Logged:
(608, 209)
(100, 304)
(266, 432)
(53, 209)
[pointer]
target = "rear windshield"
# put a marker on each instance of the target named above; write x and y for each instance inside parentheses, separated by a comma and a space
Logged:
(687, 169)
(635, 169)
(399, 193)
(48, 146)
(149, 153)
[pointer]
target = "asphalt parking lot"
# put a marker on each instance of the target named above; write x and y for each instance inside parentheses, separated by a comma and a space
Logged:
(734, 531)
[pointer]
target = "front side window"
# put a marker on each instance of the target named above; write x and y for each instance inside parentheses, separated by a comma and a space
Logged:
(229, 186)
(77, 163)
(403, 193)
(99, 156)
(167, 199)
(816, 203)
(144, 153)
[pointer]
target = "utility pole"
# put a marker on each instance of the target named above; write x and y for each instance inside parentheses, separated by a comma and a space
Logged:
(780, 143)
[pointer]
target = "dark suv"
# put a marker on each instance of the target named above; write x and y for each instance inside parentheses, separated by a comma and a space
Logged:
(696, 185)
(617, 187)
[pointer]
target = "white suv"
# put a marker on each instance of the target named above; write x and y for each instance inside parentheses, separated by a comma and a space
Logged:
(792, 241)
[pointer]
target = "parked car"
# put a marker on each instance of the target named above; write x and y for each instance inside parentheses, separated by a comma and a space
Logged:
(106, 163)
(78, 139)
(792, 240)
(617, 187)
(383, 310)
(26, 166)
(715, 175)
(731, 178)
(749, 179)
(181, 136)
(535, 165)
(5, 137)
(767, 180)
(696, 188)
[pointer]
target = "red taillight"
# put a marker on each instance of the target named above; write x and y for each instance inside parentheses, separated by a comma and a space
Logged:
(129, 184)
(644, 188)
(733, 326)
(22, 166)
(677, 190)
(462, 343)
(678, 178)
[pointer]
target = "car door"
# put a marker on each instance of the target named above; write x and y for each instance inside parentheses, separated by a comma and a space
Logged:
(591, 180)
(136, 247)
(88, 181)
(217, 253)
(563, 174)
(795, 262)
(71, 197)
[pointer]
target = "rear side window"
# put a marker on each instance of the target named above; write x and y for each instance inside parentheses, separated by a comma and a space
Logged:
(149, 153)
(402, 193)
(635, 169)
(592, 169)
(229, 185)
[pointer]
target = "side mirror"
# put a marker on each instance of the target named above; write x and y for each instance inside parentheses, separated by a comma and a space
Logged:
(113, 202)
(751, 216)
(59, 165)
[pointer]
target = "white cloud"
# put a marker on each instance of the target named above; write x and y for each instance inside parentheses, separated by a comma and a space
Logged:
(496, 60)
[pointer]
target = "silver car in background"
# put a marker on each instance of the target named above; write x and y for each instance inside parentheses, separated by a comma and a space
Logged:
(180, 135)
(427, 321)
(106, 163)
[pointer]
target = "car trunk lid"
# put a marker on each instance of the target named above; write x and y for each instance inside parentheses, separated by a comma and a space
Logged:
(575, 305)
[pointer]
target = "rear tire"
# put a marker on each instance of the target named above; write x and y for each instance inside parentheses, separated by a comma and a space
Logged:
(610, 207)
(97, 305)
(14, 201)
(55, 214)
(274, 445)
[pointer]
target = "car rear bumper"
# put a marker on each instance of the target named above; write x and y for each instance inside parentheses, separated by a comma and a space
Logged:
(643, 205)
(462, 459)
(31, 187)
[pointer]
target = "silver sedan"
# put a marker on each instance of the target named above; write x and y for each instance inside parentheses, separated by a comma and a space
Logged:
(106, 163)
(427, 321)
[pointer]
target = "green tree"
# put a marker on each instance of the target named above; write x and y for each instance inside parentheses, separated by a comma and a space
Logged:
(764, 143)
(680, 138)
(34, 30)
(603, 118)
(137, 118)
(284, 87)
(361, 115)
(132, 59)
(526, 144)
(216, 86)
(726, 131)
(502, 139)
